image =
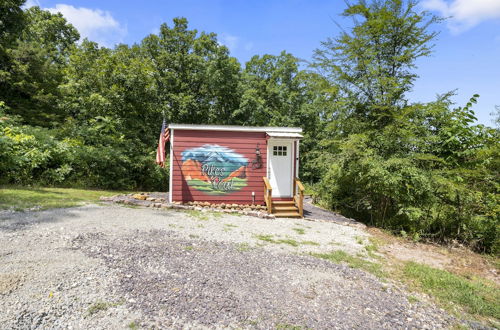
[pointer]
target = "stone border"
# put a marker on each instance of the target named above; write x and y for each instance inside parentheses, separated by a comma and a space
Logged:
(147, 200)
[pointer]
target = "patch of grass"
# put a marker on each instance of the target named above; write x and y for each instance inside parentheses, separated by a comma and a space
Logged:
(370, 248)
(265, 238)
(217, 215)
(229, 227)
(189, 248)
(359, 240)
(285, 326)
(203, 216)
(101, 306)
(299, 231)
(413, 299)
(133, 325)
(289, 241)
(309, 243)
(473, 295)
(340, 256)
(193, 236)
(131, 206)
(243, 247)
(22, 198)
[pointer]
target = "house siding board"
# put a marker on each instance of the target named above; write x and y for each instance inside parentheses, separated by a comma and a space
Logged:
(243, 143)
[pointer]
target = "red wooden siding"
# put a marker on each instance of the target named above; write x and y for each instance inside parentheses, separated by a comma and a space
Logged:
(243, 143)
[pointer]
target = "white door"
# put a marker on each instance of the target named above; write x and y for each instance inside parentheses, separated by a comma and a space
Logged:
(281, 167)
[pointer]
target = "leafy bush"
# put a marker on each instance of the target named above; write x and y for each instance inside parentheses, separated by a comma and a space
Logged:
(38, 156)
(441, 194)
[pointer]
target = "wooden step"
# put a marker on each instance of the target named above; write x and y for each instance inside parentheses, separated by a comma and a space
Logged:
(277, 208)
(287, 214)
(283, 203)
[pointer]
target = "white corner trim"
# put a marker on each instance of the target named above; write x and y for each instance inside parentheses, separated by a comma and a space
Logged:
(297, 162)
(170, 184)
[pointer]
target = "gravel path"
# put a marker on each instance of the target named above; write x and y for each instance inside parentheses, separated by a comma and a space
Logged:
(117, 267)
(313, 212)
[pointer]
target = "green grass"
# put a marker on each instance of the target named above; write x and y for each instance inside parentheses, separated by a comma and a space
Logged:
(473, 295)
(133, 325)
(101, 306)
(229, 227)
(299, 231)
(204, 216)
(340, 256)
(289, 241)
(197, 214)
(283, 326)
(22, 198)
(243, 247)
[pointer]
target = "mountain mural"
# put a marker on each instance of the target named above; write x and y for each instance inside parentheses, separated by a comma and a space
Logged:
(214, 169)
(191, 169)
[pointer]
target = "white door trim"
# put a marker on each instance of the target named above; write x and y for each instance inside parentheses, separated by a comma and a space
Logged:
(291, 152)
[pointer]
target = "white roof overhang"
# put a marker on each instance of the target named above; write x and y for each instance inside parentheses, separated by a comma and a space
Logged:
(283, 135)
(268, 130)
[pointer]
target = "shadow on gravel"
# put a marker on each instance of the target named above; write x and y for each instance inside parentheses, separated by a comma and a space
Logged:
(22, 220)
(316, 213)
(179, 283)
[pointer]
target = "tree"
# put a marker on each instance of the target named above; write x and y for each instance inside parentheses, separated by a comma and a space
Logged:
(196, 79)
(422, 169)
(372, 63)
(36, 62)
(12, 21)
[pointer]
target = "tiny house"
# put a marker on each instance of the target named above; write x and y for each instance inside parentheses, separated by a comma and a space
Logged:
(237, 165)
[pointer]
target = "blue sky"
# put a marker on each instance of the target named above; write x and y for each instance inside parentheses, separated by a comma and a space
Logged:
(466, 56)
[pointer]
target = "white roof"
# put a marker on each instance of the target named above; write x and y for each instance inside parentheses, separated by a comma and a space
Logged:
(285, 135)
(238, 128)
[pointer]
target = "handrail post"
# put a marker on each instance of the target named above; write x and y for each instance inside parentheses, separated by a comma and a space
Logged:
(300, 196)
(268, 192)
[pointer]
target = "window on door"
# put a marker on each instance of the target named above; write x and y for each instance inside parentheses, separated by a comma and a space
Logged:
(279, 151)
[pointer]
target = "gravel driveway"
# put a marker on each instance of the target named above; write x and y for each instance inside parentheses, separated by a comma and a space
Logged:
(118, 267)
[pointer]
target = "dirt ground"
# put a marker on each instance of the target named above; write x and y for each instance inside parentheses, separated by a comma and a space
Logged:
(458, 260)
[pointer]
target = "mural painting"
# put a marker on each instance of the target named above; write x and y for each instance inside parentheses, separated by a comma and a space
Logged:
(214, 169)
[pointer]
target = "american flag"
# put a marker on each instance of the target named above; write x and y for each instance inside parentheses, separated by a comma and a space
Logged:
(162, 141)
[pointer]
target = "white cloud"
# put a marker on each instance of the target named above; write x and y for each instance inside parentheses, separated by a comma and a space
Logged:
(229, 41)
(95, 24)
(465, 14)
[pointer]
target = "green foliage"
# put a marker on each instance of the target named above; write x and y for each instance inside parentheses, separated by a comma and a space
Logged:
(35, 64)
(420, 169)
(195, 79)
